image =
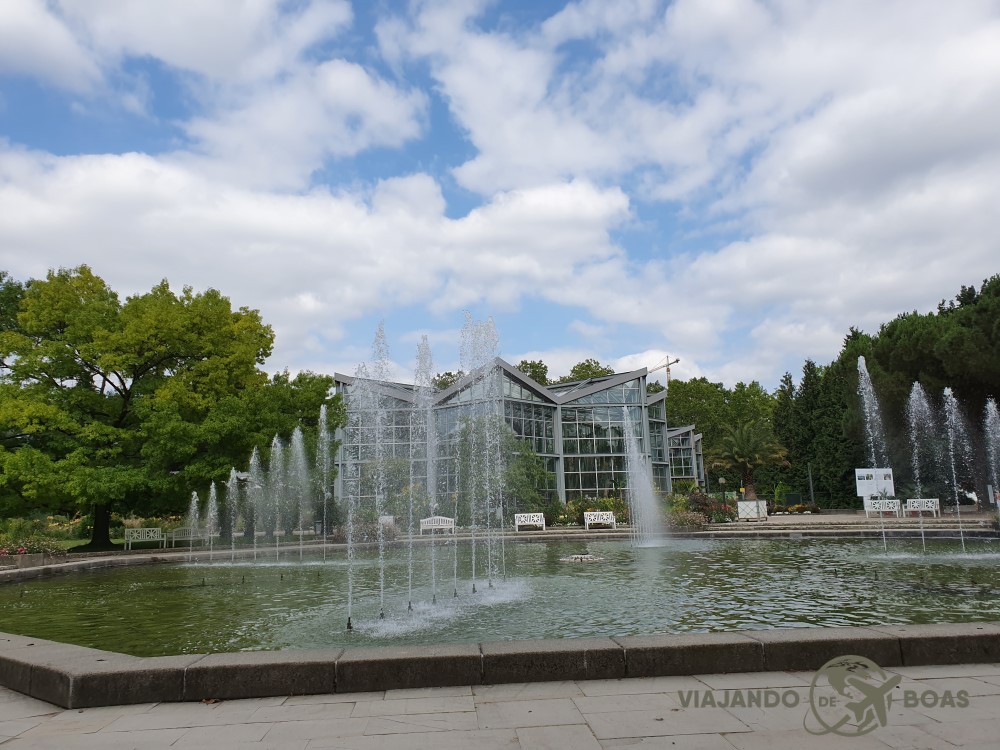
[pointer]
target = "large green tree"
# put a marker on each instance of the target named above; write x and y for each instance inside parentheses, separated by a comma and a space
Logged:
(445, 380)
(535, 369)
(585, 370)
(130, 404)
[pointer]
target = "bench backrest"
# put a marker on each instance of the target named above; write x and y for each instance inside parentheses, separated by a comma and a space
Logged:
(598, 516)
(923, 503)
(437, 522)
(144, 535)
(878, 504)
(187, 532)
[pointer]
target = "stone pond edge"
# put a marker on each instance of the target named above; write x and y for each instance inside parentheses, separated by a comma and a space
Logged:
(79, 677)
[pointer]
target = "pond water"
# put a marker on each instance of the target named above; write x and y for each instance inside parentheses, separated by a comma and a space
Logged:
(685, 586)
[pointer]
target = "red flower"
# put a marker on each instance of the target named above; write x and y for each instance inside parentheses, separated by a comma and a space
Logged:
(22, 551)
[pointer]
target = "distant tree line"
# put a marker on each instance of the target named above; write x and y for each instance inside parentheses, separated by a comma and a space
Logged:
(814, 426)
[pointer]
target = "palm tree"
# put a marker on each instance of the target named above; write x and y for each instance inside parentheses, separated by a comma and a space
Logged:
(745, 448)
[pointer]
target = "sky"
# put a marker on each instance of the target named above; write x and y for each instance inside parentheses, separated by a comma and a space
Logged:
(729, 182)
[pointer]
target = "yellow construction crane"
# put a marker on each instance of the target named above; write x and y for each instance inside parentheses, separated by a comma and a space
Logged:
(665, 365)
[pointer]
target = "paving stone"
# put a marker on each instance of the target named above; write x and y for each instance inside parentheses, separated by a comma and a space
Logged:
(613, 703)
(253, 674)
(697, 653)
(302, 700)
(99, 741)
(289, 731)
(979, 707)
(479, 739)
(444, 704)
(910, 736)
(223, 734)
(750, 680)
(811, 648)
(797, 739)
(523, 691)
(23, 707)
(307, 712)
(964, 732)
(398, 667)
(533, 713)
(673, 742)
(131, 709)
(959, 643)
(552, 659)
(639, 685)
(82, 724)
(428, 692)
(14, 727)
(576, 736)
(947, 670)
(665, 722)
(184, 715)
(464, 721)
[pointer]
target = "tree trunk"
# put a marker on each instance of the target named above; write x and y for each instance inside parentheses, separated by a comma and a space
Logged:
(749, 487)
(100, 538)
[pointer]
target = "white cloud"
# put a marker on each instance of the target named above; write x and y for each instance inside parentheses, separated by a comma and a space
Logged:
(312, 262)
(34, 42)
(224, 40)
(279, 133)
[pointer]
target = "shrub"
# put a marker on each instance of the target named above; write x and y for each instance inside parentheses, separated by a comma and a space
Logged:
(685, 519)
(676, 502)
(18, 527)
(61, 527)
(28, 544)
(574, 510)
(713, 510)
(365, 531)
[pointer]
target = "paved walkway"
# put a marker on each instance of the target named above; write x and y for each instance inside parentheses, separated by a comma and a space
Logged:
(588, 715)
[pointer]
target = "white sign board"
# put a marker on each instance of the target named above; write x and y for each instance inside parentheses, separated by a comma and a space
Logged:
(874, 482)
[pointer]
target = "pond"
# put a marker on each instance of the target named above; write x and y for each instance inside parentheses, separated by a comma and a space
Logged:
(685, 586)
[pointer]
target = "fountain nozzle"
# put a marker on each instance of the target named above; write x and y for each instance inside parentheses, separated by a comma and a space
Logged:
(409, 606)
(349, 626)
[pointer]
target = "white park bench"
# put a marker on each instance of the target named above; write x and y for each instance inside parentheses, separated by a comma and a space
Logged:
(598, 518)
(187, 534)
(144, 535)
(387, 520)
(529, 519)
(880, 505)
(923, 504)
(437, 523)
